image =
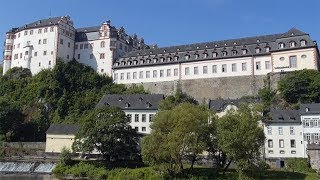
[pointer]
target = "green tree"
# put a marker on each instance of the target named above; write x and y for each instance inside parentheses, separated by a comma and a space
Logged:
(177, 134)
(107, 130)
(301, 86)
(180, 97)
(65, 157)
(240, 136)
(10, 118)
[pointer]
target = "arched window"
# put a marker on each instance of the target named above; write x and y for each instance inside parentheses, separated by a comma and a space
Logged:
(102, 44)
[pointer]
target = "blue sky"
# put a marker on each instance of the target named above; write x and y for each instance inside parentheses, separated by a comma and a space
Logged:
(173, 22)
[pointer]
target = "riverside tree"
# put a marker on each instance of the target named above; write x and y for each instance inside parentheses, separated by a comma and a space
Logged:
(107, 130)
(240, 136)
(177, 134)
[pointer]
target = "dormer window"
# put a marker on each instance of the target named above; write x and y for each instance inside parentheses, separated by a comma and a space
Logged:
(292, 44)
(281, 118)
(307, 109)
(120, 99)
(303, 43)
(142, 61)
(205, 55)
(187, 57)
(140, 99)
(123, 63)
(267, 49)
(135, 62)
(176, 58)
(214, 54)
(244, 51)
(148, 61)
(281, 45)
(106, 104)
(196, 56)
(162, 59)
(224, 53)
(234, 52)
(127, 105)
(258, 40)
(148, 105)
(155, 60)
(169, 58)
(258, 50)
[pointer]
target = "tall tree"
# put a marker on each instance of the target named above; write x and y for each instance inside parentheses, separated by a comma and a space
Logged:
(301, 86)
(177, 134)
(174, 100)
(240, 136)
(107, 130)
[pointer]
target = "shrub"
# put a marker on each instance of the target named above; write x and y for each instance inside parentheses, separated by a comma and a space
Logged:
(132, 174)
(298, 165)
(65, 157)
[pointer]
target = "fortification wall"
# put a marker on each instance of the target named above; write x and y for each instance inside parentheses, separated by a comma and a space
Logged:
(212, 88)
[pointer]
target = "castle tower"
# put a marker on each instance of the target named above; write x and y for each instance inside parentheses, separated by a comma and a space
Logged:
(8, 52)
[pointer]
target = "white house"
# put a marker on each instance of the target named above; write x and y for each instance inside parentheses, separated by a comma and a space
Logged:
(140, 108)
(283, 137)
(310, 118)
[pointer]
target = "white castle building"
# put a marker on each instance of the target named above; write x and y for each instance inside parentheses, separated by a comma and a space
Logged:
(37, 45)
(111, 51)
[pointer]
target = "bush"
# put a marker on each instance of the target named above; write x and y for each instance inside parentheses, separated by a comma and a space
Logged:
(298, 165)
(132, 174)
(65, 157)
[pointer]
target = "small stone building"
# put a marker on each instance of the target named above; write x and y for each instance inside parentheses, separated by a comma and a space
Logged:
(60, 136)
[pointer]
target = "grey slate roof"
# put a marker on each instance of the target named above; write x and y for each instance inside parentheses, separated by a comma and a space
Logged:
(313, 146)
(284, 116)
(204, 51)
(63, 129)
(132, 102)
(39, 23)
(219, 105)
(309, 109)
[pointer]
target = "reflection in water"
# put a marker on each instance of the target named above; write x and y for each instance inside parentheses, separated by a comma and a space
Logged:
(27, 177)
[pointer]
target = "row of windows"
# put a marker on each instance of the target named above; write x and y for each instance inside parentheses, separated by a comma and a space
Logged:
(31, 32)
(281, 143)
(16, 56)
(280, 130)
(137, 117)
(147, 74)
(143, 129)
(311, 123)
(91, 56)
(311, 137)
(102, 45)
(282, 152)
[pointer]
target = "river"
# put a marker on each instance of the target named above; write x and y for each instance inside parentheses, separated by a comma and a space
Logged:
(27, 177)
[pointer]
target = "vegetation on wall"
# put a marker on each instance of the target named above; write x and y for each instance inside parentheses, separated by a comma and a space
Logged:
(59, 95)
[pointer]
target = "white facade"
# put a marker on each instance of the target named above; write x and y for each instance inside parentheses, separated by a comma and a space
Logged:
(140, 120)
(284, 140)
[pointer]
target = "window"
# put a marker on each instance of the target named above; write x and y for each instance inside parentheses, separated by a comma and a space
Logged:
(61, 41)
(143, 117)
(303, 43)
(39, 64)
(39, 42)
(205, 69)
(31, 32)
(136, 128)
(195, 70)
(102, 70)
(270, 151)
(134, 75)
(282, 152)
(292, 44)
(291, 130)
(307, 123)
(39, 31)
(129, 117)
(154, 73)
(267, 49)
(168, 72)
(224, 68)
(175, 72)
(102, 56)
(224, 53)
(205, 55)
(136, 118)
(280, 130)
(293, 143)
(161, 73)
(78, 56)
(244, 66)
(150, 117)
(267, 64)
(44, 53)
(122, 76)
(281, 45)
(91, 56)
(214, 54)
(102, 44)
(52, 53)
(244, 51)
(116, 76)
(293, 61)
(128, 75)
(269, 129)
(144, 129)
(308, 137)
(281, 143)
(35, 54)
(234, 52)
(316, 136)
(76, 46)
(147, 74)
(91, 45)
(234, 67)
(270, 143)
(44, 41)
(186, 71)
(293, 152)
(86, 46)
(81, 46)
(69, 44)
(141, 75)
(258, 50)
(49, 63)
(26, 53)
(258, 65)
(51, 29)
(68, 56)
(214, 68)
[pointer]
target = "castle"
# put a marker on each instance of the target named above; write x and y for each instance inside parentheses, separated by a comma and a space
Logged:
(228, 69)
